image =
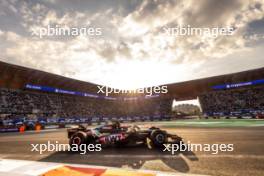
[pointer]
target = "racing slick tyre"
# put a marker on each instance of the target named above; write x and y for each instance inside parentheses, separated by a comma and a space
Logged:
(158, 138)
(77, 139)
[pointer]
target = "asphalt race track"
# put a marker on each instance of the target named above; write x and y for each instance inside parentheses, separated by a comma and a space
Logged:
(246, 159)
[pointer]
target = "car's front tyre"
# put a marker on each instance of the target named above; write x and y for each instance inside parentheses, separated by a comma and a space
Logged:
(158, 138)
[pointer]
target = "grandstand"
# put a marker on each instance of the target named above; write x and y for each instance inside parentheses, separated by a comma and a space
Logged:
(246, 101)
(32, 94)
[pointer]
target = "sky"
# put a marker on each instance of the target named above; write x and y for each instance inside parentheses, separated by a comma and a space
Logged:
(133, 51)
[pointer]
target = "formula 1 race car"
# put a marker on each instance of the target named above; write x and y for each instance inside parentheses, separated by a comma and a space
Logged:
(117, 135)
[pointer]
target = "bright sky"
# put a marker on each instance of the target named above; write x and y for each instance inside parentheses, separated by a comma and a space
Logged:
(133, 51)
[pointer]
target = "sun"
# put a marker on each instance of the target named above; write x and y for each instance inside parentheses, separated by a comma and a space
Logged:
(135, 74)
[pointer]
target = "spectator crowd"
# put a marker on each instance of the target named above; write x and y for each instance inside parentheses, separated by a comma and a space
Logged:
(233, 100)
(41, 104)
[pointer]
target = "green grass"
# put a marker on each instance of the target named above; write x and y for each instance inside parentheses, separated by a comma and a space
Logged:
(212, 123)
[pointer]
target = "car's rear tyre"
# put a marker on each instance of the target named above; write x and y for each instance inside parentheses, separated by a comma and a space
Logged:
(77, 139)
(158, 138)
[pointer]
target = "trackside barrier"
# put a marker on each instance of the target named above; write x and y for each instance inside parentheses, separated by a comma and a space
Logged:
(4, 130)
(51, 126)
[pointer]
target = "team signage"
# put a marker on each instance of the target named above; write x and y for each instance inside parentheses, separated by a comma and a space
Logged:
(241, 84)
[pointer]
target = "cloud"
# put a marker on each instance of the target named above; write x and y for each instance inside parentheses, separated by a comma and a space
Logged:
(132, 40)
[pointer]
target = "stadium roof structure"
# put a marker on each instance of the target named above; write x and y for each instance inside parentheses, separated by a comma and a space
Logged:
(191, 89)
(17, 77)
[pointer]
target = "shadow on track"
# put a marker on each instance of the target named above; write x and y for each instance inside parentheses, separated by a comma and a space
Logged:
(133, 157)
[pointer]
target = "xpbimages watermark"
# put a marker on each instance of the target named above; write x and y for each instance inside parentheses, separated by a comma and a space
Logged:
(63, 30)
(192, 147)
(198, 31)
(149, 91)
(56, 146)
